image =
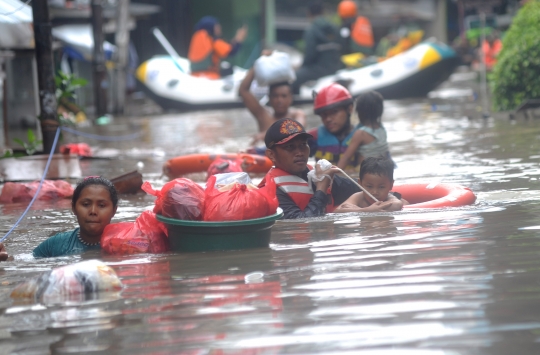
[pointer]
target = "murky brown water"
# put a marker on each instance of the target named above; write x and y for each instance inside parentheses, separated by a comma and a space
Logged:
(456, 281)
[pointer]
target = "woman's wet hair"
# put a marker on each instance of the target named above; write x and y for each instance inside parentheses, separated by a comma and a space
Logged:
(377, 166)
(95, 180)
(370, 107)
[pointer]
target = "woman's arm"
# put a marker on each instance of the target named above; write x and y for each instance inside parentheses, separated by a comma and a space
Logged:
(356, 141)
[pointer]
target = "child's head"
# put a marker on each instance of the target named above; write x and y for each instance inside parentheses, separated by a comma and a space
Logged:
(377, 176)
(94, 203)
(281, 97)
(287, 147)
(333, 104)
(369, 107)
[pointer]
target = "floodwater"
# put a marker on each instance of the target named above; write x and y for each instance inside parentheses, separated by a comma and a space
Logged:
(428, 282)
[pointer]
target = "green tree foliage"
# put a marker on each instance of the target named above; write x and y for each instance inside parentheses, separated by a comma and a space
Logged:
(515, 77)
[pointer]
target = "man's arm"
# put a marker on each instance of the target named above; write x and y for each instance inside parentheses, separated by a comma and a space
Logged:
(315, 208)
(251, 102)
(310, 52)
(343, 189)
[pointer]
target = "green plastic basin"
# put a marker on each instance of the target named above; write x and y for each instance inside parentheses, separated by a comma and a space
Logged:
(191, 236)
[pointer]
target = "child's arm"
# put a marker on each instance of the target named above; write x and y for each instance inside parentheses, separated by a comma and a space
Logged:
(395, 203)
(352, 204)
(356, 141)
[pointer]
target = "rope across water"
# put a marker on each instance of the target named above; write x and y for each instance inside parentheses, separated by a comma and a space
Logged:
(55, 142)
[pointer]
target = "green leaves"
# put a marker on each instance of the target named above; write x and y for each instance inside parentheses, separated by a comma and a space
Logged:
(66, 84)
(31, 146)
(515, 76)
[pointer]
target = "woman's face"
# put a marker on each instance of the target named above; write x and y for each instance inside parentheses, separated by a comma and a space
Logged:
(94, 210)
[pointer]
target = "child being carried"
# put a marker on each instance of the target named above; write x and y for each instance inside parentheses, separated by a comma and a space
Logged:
(369, 139)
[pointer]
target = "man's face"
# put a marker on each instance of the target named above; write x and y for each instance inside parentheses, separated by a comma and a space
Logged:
(291, 156)
(377, 185)
(281, 99)
(336, 119)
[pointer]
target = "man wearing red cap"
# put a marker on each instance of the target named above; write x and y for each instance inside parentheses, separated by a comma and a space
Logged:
(334, 104)
(287, 147)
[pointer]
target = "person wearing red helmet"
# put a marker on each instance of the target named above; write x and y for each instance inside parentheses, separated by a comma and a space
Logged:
(356, 31)
(334, 105)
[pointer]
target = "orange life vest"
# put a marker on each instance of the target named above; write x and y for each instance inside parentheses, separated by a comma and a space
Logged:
(297, 188)
(205, 54)
(362, 32)
(491, 52)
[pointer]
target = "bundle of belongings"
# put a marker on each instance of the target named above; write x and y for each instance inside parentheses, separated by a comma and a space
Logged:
(227, 197)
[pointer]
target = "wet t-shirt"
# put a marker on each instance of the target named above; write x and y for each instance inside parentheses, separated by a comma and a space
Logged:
(61, 244)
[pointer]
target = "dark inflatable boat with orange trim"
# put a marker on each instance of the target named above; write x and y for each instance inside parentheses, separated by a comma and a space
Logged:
(194, 163)
(435, 195)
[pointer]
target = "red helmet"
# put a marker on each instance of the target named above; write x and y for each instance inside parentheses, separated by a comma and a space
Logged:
(346, 9)
(330, 97)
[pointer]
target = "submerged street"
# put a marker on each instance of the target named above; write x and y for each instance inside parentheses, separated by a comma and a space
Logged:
(431, 282)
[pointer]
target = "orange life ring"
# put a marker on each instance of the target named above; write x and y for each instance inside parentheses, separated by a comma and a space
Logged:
(435, 195)
(194, 163)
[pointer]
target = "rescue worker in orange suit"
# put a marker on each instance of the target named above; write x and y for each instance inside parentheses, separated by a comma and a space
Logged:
(207, 49)
(491, 48)
(298, 196)
(356, 31)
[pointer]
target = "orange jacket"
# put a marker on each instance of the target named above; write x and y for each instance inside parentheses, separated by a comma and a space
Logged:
(362, 32)
(297, 188)
(205, 54)
(491, 52)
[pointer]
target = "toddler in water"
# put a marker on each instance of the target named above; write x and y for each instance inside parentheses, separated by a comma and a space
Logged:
(369, 140)
(377, 177)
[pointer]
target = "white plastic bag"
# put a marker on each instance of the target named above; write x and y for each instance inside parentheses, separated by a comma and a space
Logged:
(323, 165)
(274, 68)
(77, 282)
(229, 178)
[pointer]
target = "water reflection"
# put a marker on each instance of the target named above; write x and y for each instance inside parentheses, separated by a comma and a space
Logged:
(429, 282)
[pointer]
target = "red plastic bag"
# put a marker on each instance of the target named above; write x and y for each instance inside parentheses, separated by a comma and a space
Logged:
(145, 235)
(50, 190)
(180, 199)
(239, 203)
(81, 149)
(221, 166)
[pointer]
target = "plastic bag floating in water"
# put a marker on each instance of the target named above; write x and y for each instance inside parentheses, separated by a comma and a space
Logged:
(77, 282)
(20, 192)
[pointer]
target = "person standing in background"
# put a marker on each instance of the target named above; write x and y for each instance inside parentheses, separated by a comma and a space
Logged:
(356, 31)
(322, 55)
(207, 49)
